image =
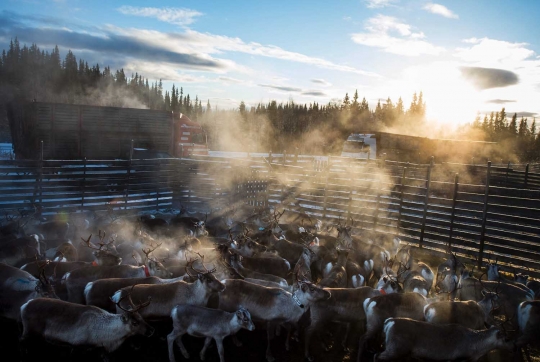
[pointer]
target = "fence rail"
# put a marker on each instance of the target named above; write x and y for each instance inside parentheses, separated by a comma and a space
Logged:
(482, 211)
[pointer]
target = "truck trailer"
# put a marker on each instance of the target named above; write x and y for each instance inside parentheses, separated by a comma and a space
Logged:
(405, 148)
(74, 131)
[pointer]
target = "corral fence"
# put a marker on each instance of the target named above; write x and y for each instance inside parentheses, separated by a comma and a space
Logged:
(481, 211)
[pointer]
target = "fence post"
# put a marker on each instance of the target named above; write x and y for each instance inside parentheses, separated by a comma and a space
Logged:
(128, 175)
(506, 178)
(402, 186)
(453, 214)
(41, 174)
(327, 176)
(424, 215)
(376, 219)
(296, 155)
(83, 184)
(484, 218)
(270, 157)
(284, 157)
(526, 176)
(350, 192)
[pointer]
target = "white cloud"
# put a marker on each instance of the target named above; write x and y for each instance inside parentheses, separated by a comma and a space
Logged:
(491, 52)
(204, 44)
(395, 37)
(373, 4)
(176, 16)
(440, 10)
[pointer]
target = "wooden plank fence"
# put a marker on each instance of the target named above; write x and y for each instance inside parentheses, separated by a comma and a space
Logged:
(482, 211)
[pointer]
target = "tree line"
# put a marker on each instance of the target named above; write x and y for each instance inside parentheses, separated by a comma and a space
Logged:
(517, 137)
(30, 73)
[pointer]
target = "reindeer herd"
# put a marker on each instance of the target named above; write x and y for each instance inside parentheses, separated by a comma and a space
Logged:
(91, 281)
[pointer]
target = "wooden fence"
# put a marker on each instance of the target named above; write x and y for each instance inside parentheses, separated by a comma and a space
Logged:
(482, 211)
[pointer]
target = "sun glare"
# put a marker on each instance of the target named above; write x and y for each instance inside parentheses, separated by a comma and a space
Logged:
(449, 98)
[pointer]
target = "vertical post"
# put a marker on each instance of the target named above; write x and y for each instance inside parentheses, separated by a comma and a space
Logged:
(506, 178)
(284, 157)
(83, 187)
(296, 155)
(376, 219)
(270, 157)
(526, 176)
(402, 188)
(426, 201)
(41, 174)
(327, 176)
(453, 214)
(128, 175)
(484, 218)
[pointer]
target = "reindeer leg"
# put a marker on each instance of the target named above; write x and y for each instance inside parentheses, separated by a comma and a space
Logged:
(236, 341)
(221, 351)
(307, 339)
(178, 340)
(270, 335)
(207, 342)
(344, 341)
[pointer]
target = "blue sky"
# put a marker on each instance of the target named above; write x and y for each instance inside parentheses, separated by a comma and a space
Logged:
(465, 56)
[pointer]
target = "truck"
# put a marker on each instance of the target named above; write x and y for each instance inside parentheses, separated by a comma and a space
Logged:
(406, 148)
(76, 131)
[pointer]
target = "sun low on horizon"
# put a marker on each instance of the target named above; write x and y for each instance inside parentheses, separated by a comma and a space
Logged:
(465, 57)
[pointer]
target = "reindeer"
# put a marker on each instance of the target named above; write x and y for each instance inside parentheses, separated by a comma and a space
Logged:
(344, 306)
(104, 254)
(469, 313)
(166, 296)
(235, 261)
(288, 250)
(20, 251)
(528, 317)
(268, 265)
(205, 322)
(381, 307)
(406, 337)
(76, 280)
(18, 286)
(493, 274)
(81, 325)
(337, 277)
(271, 306)
(188, 225)
(470, 288)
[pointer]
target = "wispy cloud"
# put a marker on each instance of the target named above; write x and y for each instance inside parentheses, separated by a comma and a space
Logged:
(314, 93)
(440, 10)
(321, 81)
(177, 16)
(187, 49)
(281, 88)
(230, 80)
(500, 101)
(299, 91)
(374, 4)
(395, 37)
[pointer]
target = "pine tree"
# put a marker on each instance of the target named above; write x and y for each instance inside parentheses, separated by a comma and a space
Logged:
(513, 128)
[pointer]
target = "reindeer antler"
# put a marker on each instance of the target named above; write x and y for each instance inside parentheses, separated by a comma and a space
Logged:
(128, 296)
(150, 250)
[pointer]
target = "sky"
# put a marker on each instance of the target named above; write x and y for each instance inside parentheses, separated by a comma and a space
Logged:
(464, 56)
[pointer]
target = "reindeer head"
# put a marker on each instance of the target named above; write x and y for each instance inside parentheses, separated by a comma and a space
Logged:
(131, 316)
(205, 276)
(306, 292)
(243, 317)
(102, 253)
(155, 267)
